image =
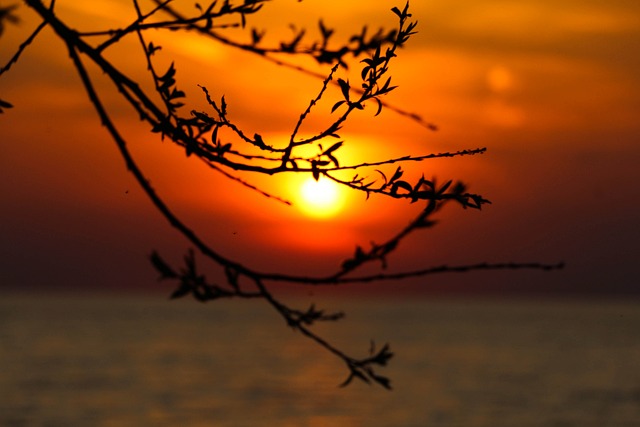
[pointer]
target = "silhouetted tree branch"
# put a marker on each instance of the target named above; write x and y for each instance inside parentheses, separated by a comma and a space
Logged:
(165, 111)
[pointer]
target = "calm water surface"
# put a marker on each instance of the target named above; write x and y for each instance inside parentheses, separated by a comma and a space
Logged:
(133, 361)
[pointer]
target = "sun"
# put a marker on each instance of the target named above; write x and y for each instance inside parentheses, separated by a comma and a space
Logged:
(320, 199)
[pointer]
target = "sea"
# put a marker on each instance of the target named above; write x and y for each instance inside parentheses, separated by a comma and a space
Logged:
(123, 360)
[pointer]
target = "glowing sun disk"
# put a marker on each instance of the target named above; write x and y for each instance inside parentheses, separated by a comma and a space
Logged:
(320, 198)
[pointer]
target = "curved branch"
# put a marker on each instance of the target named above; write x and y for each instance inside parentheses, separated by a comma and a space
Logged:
(190, 133)
(266, 54)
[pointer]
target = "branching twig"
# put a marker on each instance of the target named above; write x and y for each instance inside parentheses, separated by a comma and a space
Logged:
(197, 132)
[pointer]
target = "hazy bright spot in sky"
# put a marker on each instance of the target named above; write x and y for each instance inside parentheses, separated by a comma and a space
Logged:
(320, 199)
(499, 79)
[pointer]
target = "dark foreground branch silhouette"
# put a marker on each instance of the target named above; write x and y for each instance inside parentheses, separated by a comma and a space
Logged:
(164, 109)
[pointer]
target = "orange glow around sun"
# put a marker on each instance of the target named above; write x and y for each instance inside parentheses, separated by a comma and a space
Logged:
(320, 199)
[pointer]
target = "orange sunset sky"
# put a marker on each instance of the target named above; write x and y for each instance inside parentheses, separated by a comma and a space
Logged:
(552, 89)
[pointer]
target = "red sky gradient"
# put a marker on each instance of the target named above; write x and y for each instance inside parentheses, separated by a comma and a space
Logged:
(552, 90)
